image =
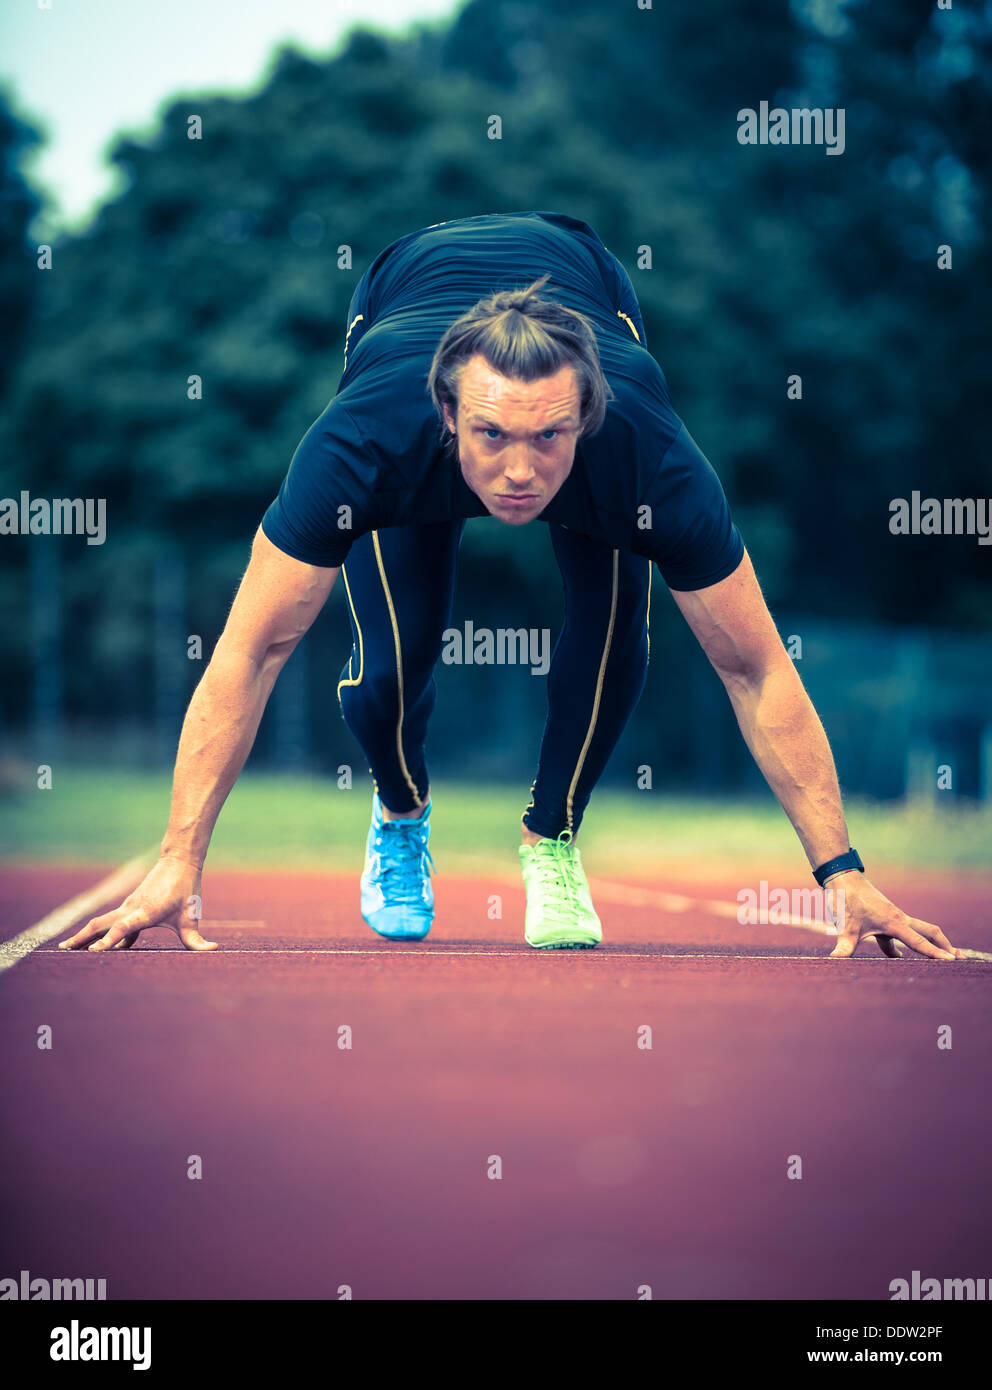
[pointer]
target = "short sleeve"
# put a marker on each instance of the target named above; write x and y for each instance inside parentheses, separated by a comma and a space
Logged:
(324, 502)
(695, 541)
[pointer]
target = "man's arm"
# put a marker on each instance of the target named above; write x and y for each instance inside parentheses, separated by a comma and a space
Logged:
(276, 602)
(781, 728)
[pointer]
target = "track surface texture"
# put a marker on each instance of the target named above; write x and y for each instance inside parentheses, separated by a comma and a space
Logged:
(621, 1166)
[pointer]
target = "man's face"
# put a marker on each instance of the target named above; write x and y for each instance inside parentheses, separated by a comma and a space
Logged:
(516, 439)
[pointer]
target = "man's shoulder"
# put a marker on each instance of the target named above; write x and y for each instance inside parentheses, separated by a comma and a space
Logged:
(641, 407)
(397, 430)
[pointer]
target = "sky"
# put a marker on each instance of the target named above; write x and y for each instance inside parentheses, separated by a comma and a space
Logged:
(86, 70)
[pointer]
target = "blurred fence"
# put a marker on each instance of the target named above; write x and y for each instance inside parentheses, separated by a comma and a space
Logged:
(907, 710)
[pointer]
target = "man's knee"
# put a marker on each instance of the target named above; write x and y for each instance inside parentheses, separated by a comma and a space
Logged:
(633, 597)
(377, 694)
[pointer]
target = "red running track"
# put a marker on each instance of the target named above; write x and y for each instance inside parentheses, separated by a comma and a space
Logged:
(621, 1167)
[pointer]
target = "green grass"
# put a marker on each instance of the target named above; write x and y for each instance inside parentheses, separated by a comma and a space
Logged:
(307, 823)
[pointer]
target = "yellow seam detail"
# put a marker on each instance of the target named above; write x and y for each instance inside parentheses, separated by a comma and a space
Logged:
(647, 619)
(627, 319)
(599, 689)
(399, 669)
(349, 679)
(357, 319)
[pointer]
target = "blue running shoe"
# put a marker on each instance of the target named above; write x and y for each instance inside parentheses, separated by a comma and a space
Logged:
(397, 897)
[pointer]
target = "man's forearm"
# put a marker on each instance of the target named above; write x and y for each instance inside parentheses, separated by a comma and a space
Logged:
(787, 740)
(217, 736)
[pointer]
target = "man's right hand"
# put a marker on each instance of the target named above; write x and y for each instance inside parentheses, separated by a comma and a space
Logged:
(276, 602)
(162, 899)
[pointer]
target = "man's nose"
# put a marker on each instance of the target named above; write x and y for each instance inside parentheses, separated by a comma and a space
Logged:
(519, 465)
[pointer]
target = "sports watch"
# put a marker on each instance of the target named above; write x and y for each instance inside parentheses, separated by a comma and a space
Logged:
(850, 860)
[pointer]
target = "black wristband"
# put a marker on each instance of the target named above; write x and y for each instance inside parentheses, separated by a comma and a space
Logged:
(850, 860)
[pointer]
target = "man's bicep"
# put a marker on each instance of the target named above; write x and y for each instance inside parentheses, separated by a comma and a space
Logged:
(276, 602)
(732, 624)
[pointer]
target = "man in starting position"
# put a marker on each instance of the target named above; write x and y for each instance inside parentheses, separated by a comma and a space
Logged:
(467, 391)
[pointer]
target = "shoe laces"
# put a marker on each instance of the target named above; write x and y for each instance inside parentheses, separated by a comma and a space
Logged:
(403, 868)
(555, 869)
(572, 862)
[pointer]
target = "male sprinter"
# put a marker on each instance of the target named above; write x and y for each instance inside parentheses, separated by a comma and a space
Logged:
(523, 385)
(400, 579)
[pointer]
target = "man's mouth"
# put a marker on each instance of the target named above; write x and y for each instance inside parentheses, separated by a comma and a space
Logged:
(515, 500)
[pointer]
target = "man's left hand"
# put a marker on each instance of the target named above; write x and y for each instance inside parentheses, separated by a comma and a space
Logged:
(868, 913)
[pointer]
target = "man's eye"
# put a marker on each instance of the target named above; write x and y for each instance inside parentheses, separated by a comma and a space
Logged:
(493, 434)
(550, 434)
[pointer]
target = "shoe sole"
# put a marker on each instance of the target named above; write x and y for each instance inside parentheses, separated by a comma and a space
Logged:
(398, 936)
(563, 945)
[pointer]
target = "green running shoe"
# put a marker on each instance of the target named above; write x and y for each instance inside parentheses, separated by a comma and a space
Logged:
(559, 913)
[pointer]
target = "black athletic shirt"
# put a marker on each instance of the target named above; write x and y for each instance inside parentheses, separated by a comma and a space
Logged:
(375, 457)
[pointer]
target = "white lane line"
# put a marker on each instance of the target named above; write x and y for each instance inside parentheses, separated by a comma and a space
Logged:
(129, 875)
(439, 952)
(677, 902)
(629, 895)
(78, 909)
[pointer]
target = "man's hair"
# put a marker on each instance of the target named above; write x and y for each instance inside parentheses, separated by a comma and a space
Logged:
(524, 337)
